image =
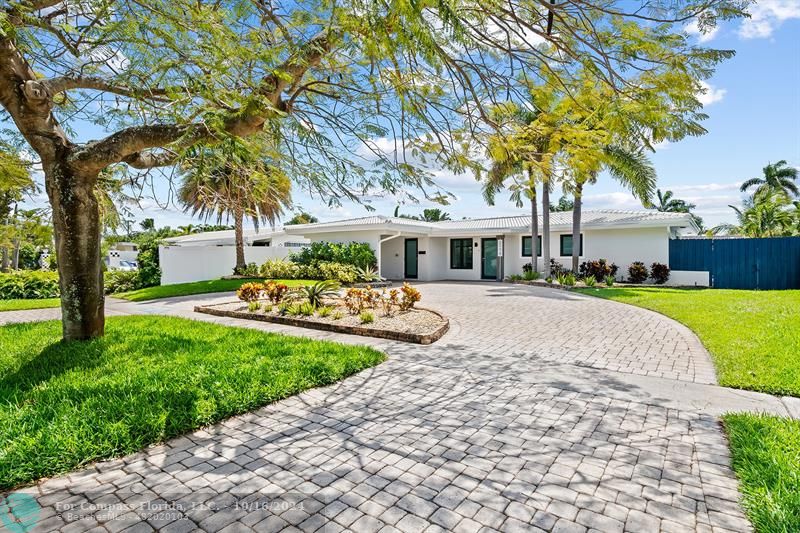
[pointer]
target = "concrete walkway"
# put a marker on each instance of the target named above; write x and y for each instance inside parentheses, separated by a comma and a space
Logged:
(539, 411)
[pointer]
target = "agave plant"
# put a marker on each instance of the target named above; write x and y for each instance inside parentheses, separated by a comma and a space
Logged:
(318, 291)
(368, 274)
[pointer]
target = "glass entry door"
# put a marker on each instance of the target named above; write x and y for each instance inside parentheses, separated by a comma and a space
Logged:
(411, 258)
(488, 258)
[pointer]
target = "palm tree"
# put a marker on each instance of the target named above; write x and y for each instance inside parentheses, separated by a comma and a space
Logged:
(513, 156)
(778, 177)
(667, 203)
(629, 166)
(434, 215)
(234, 179)
(763, 215)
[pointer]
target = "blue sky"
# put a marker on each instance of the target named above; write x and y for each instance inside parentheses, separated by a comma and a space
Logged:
(754, 105)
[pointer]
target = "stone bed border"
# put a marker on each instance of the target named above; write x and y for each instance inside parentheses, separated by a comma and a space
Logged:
(416, 338)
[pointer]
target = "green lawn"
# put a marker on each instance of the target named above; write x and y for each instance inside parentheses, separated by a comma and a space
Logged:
(766, 457)
(196, 287)
(150, 378)
(753, 336)
(21, 304)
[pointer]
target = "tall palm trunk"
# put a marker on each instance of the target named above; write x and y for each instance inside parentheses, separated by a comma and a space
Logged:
(546, 226)
(238, 215)
(576, 227)
(4, 260)
(534, 226)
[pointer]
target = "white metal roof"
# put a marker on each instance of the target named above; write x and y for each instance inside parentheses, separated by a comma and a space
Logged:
(601, 218)
(211, 238)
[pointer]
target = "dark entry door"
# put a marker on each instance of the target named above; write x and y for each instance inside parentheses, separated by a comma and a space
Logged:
(411, 259)
(488, 258)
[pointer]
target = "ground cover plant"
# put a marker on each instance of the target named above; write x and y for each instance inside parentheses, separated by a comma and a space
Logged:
(150, 378)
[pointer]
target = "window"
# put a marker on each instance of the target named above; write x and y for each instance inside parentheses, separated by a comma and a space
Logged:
(566, 245)
(461, 254)
(526, 246)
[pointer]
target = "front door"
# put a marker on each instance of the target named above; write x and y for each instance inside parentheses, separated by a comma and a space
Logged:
(411, 258)
(488, 258)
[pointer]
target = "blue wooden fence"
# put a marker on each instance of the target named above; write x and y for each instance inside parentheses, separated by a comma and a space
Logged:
(741, 263)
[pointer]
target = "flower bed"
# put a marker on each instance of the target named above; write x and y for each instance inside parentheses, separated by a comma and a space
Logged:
(417, 325)
(323, 305)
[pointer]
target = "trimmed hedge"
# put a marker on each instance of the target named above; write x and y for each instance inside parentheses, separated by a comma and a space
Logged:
(357, 254)
(29, 285)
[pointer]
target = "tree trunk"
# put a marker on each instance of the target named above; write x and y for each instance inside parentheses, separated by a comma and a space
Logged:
(238, 215)
(15, 255)
(534, 227)
(576, 228)
(76, 220)
(4, 260)
(546, 227)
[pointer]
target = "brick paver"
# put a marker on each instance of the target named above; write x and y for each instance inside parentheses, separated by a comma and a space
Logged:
(470, 434)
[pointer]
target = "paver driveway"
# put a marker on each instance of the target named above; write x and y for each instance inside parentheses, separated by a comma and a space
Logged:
(539, 410)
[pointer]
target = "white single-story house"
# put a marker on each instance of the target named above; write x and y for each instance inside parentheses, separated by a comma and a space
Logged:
(212, 254)
(493, 248)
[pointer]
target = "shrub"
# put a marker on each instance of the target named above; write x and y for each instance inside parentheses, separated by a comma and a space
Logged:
(253, 306)
(515, 277)
(569, 279)
(28, 284)
(390, 301)
(293, 310)
(409, 298)
(250, 292)
(352, 253)
(250, 270)
(115, 281)
(318, 291)
(527, 267)
(530, 275)
(324, 311)
(557, 268)
(306, 309)
(659, 272)
(279, 269)
(590, 281)
(149, 267)
(366, 317)
(598, 269)
(637, 272)
(337, 315)
(610, 281)
(275, 291)
(356, 300)
(341, 272)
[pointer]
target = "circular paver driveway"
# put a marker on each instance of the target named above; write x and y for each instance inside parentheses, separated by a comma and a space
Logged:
(518, 321)
(486, 430)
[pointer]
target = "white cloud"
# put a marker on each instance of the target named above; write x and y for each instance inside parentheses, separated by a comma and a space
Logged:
(710, 94)
(693, 28)
(662, 145)
(766, 15)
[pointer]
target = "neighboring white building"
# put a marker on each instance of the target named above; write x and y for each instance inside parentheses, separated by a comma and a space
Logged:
(492, 248)
(123, 256)
(212, 254)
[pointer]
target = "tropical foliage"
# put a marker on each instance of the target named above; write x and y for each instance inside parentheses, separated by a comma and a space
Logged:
(667, 203)
(773, 210)
(235, 178)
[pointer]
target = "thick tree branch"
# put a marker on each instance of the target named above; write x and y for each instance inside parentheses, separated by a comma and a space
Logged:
(61, 84)
(129, 145)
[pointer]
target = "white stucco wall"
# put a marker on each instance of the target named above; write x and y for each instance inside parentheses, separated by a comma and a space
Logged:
(183, 264)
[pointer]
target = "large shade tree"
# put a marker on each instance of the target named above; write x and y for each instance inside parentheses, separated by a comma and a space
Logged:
(234, 179)
(159, 76)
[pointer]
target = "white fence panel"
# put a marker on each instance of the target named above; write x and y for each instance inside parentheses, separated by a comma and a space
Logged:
(183, 264)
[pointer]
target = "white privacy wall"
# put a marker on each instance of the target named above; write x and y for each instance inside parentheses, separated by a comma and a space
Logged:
(183, 264)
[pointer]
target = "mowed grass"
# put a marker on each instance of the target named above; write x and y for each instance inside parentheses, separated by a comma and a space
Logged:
(197, 287)
(753, 336)
(22, 304)
(150, 378)
(766, 457)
